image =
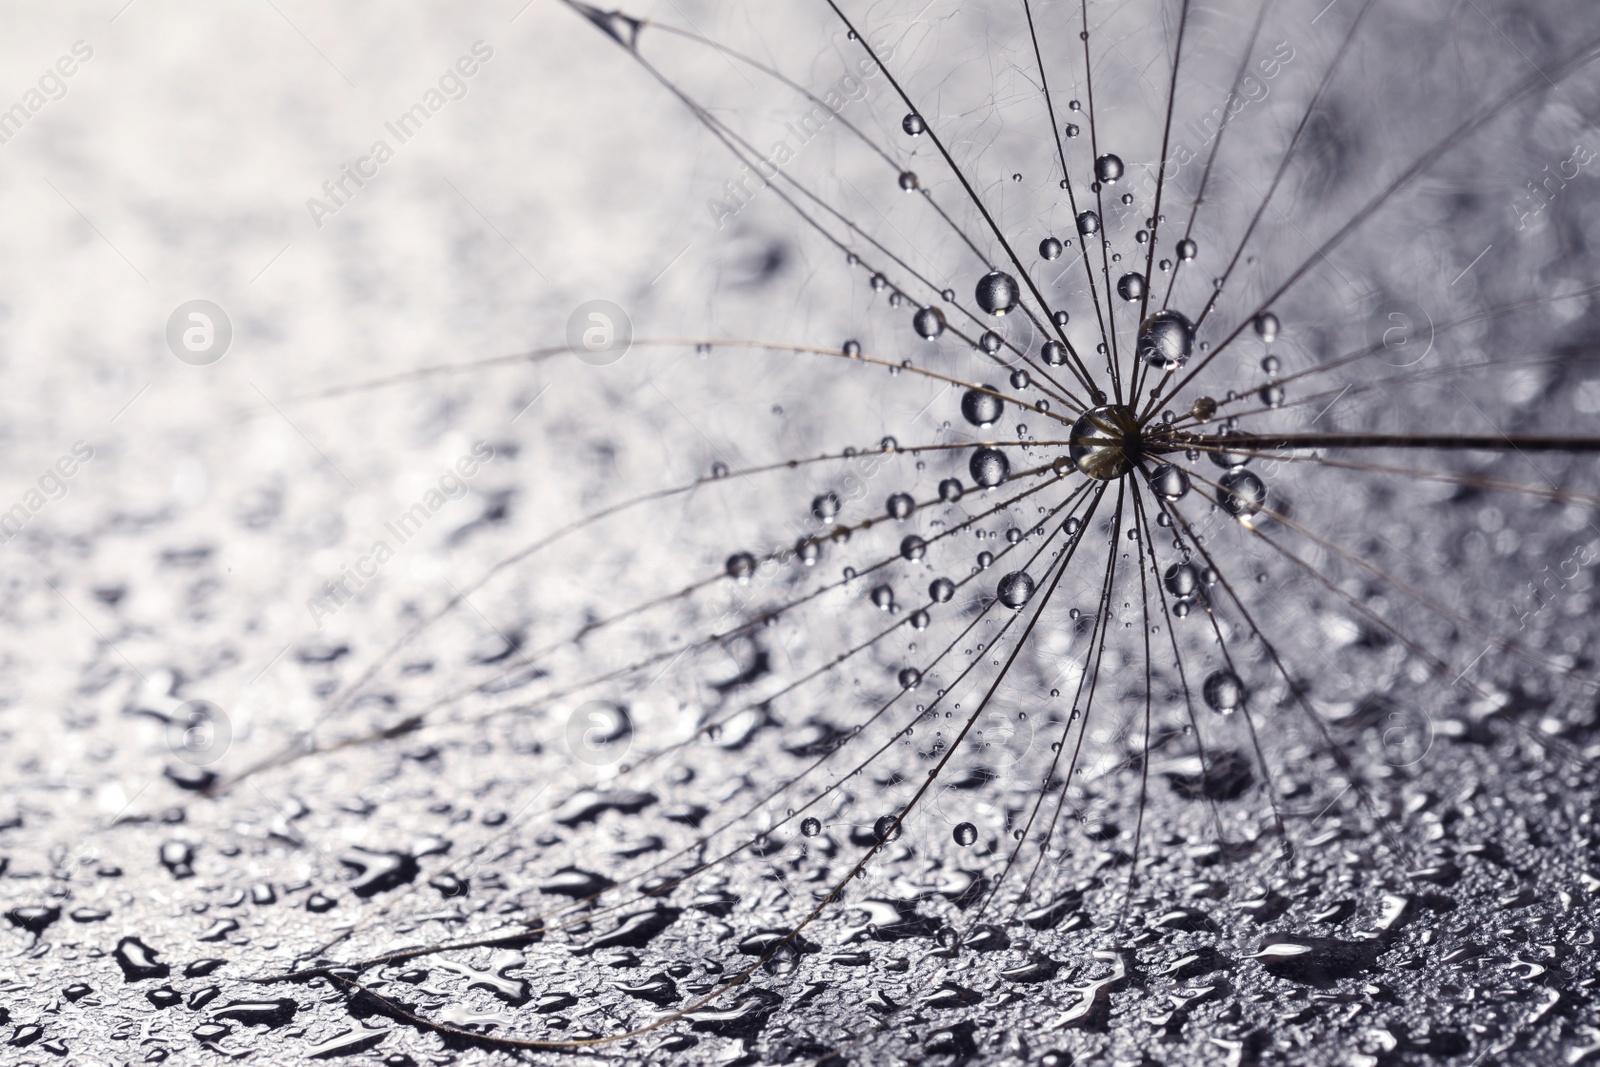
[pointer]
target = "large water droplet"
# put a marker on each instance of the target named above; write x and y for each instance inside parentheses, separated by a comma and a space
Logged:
(1224, 692)
(1182, 580)
(1169, 481)
(989, 467)
(1104, 442)
(997, 292)
(1166, 339)
(1222, 455)
(1243, 494)
(980, 406)
(1015, 589)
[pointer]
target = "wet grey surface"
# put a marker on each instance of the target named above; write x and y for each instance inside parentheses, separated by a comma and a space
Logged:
(614, 799)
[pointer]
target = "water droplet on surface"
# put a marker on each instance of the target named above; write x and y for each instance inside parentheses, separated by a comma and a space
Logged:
(1316, 960)
(1187, 249)
(1053, 353)
(1108, 168)
(178, 857)
(909, 678)
(989, 467)
(965, 834)
(1224, 692)
(1049, 248)
(740, 566)
(980, 406)
(950, 490)
(1088, 223)
(1169, 481)
(1166, 339)
(941, 590)
(928, 322)
(138, 960)
(1266, 325)
(1243, 494)
(1182, 580)
(913, 548)
(1015, 589)
(1220, 453)
(997, 292)
(378, 871)
(271, 1013)
(900, 505)
(908, 180)
(1130, 287)
(913, 124)
(34, 919)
